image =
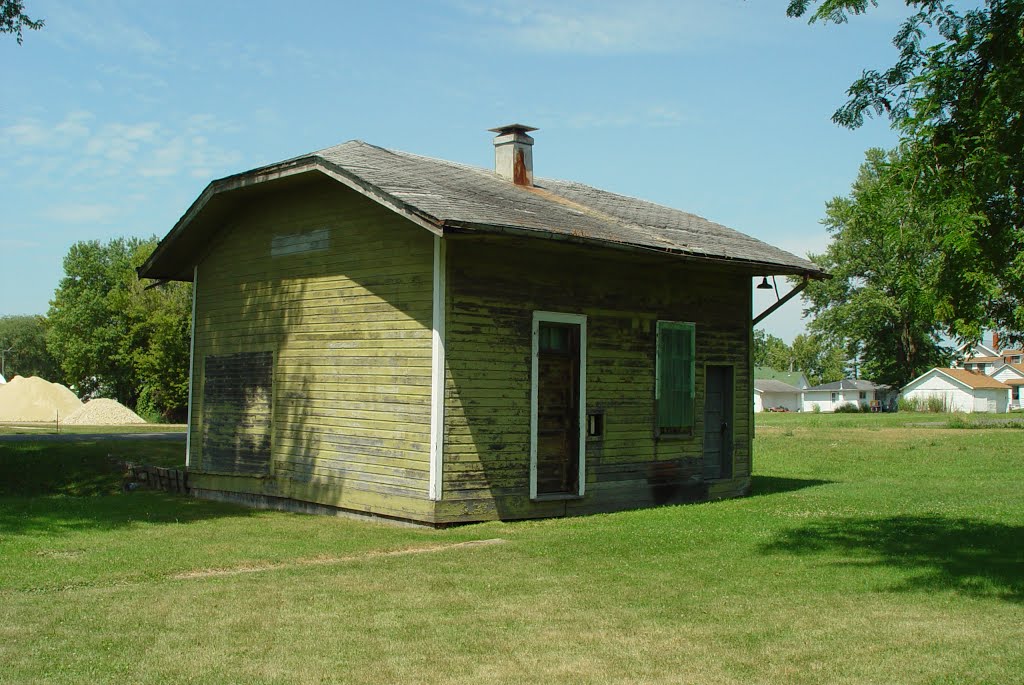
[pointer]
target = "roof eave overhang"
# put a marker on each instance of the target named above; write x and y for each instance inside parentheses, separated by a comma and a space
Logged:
(173, 258)
(958, 381)
(758, 267)
(164, 264)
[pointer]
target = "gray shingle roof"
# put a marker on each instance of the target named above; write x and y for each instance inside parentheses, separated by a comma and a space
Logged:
(459, 194)
(769, 385)
(446, 196)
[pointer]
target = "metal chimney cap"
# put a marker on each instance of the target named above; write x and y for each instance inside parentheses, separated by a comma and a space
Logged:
(512, 128)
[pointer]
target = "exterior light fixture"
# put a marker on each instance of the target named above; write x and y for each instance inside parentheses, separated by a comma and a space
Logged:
(764, 284)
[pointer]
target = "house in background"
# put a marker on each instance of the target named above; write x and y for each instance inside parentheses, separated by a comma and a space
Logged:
(1013, 376)
(960, 390)
(828, 397)
(796, 379)
(773, 395)
(987, 358)
(407, 337)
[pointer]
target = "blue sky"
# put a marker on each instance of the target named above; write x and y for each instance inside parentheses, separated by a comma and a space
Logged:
(117, 114)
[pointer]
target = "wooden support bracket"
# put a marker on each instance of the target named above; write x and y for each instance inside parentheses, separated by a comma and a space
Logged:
(783, 300)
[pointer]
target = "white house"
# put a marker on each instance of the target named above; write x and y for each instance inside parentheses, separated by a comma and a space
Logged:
(988, 358)
(772, 394)
(831, 396)
(1013, 376)
(960, 390)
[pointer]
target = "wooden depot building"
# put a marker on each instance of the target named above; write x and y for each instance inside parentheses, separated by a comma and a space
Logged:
(406, 337)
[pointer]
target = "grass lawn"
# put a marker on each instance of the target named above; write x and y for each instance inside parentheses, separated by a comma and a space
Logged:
(872, 552)
(49, 428)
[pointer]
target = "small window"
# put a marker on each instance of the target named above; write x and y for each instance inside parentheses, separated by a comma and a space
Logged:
(674, 377)
(835, 397)
(595, 424)
(554, 338)
(863, 395)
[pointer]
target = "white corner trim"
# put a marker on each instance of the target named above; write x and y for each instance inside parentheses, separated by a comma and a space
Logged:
(581, 321)
(437, 376)
(191, 367)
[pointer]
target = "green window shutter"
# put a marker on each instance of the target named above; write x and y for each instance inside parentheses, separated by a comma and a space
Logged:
(675, 375)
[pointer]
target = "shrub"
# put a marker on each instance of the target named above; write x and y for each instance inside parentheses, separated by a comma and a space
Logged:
(907, 404)
(848, 408)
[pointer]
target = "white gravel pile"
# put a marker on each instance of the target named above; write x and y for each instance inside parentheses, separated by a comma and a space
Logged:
(35, 399)
(103, 412)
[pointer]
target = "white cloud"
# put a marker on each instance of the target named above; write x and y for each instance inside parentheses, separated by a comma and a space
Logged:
(80, 213)
(605, 27)
(112, 34)
(28, 132)
(81, 149)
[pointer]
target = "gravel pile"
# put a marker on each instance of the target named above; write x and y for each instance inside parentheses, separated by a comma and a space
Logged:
(102, 412)
(35, 399)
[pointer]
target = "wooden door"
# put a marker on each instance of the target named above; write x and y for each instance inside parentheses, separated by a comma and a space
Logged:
(558, 408)
(718, 402)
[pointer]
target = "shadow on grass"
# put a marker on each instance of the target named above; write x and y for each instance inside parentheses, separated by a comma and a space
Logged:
(977, 558)
(773, 485)
(50, 488)
(59, 515)
(77, 469)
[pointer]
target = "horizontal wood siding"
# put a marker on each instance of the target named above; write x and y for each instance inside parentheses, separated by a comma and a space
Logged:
(338, 289)
(494, 285)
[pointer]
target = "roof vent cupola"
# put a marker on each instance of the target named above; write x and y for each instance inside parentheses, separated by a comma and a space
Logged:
(513, 153)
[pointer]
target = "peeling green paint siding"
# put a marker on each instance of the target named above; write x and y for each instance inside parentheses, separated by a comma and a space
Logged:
(338, 289)
(494, 285)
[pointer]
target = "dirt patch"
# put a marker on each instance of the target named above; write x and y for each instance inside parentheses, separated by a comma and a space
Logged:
(328, 561)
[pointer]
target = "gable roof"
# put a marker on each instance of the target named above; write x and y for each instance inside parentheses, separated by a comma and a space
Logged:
(974, 380)
(1014, 369)
(978, 349)
(771, 385)
(445, 197)
(796, 379)
(969, 379)
(982, 360)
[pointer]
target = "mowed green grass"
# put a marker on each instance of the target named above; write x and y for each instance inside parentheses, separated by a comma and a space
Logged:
(877, 553)
(52, 429)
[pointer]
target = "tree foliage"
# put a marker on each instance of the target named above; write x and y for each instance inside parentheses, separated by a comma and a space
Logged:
(821, 360)
(956, 96)
(771, 351)
(23, 342)
(14, 20)
(113, 337)
(882, 298)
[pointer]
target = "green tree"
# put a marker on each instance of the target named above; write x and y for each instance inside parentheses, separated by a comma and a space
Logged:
(23, 343)
(956, 96)
(772, 351)
(821, 360)
(881, 302)
(158, 339)
(114, 337)
(14, 20)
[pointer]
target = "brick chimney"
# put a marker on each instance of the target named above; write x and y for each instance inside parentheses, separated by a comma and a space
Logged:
(513, 153)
